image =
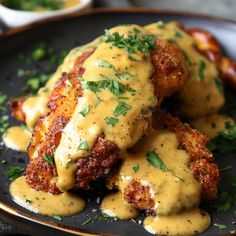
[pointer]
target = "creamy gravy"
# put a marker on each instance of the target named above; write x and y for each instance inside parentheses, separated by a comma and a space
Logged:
(188, 223)
(17, 138)
(115, 206)
(172, 191)
(65, 204)
(211, 125)
(129, 126)
(201, 95)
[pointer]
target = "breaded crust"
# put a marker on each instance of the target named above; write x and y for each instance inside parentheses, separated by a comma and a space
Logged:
(169, 77)
(170, 71)
(195, 143)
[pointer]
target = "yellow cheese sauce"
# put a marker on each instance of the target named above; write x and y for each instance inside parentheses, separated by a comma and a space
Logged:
(188, 223)
(17, 138)
(200, 96)
(36, 106)
(65, 204)
(104, 105)
(115, 206)
(70, 3)
(211, 125)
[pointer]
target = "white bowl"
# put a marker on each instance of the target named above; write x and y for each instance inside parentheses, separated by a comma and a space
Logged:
(16, 18)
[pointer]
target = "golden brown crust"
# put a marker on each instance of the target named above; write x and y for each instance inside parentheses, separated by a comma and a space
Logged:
(208, 45)
(170, 71)
(195, 143)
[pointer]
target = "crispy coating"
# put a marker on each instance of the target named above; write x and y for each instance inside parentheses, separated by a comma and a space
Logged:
(207, 44)
(201, 163)
(195, 143)
(169, 76)
(170, 71)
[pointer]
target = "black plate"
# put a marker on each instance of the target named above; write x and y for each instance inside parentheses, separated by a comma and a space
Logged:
(64, 34)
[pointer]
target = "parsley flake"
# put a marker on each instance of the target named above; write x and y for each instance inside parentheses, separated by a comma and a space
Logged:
(57, 217)
(14, 172)
(201, 68)
(136, 168)
(85, 111)
(83, 145)
(122, 109)
(111, 121)
(134, 42)
(28, 201)
(154, 159)
(48, 158)
(219, 84)
(220, 226)
(124, 76)
(105, 64)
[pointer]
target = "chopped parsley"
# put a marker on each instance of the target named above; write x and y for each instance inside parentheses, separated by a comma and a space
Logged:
(122, 109)
(219, 84)
(115, 87)
(105, 64)
(49, 159)
(111, 121)
(57, 217)
(178, 34)
(68, 163)
(154, 159)
(3, 123)
(83, 145)
(28, 201)
(39, 53)
(220, 226)
(87, 221)
(3, 99)
(134, 42)
(225, 142)
(160, 25)
(124, 76)
(201, 69)
(187, 60)
(136, 168)
(85, 111)
(14, 172)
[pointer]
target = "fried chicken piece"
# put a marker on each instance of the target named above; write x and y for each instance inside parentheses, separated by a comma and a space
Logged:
(169, 77)
(201, 163)
(195, 143)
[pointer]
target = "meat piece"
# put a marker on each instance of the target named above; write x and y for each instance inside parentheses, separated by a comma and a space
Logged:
(207, 44)
(171, 73)
(195, 143)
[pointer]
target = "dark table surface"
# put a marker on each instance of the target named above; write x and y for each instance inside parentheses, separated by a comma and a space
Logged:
(10, 225)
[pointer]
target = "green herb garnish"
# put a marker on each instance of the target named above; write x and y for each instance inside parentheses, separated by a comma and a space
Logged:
(187, 60)
(136, 168)
(39, 53)
(160, 25)
(220, 226)
(219, 84)
(122, 109)
(111, 121)
(154, 159)
(85, 111)
(225, 142)
(105, 64)
(201, 69)
(87, 221)
(134, 42)
(68, 163)
(83, 145)
(124, 76)
(49, 159)
(14, 172)
(57, 217)
(28, 201)
(115, 87)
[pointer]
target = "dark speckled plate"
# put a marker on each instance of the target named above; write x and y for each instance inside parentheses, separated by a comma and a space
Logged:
(64, 34)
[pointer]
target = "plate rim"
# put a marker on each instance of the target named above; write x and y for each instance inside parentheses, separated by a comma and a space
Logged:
(103, 10)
